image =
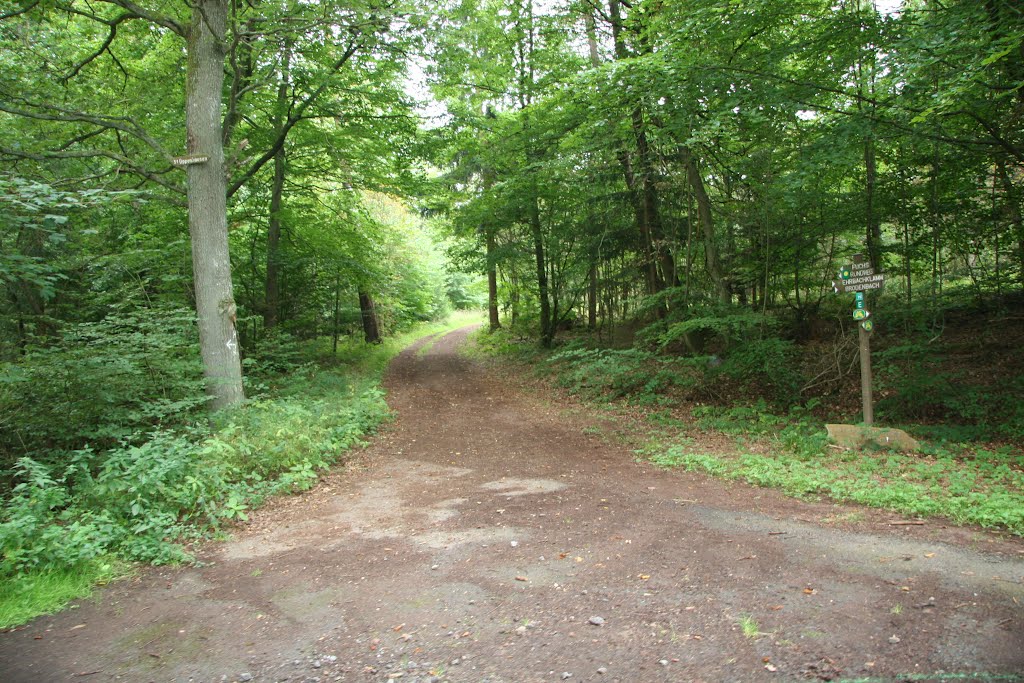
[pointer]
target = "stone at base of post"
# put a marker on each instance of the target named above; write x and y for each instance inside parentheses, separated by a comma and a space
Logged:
(857, 437)
(865, 375)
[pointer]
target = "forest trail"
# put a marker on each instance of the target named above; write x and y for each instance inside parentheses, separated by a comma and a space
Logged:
(488, 536)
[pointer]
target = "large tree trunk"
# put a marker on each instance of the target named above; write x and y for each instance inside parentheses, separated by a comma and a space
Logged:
(707, 224)
(1011, 207)
(547, 327)
(272, 311)
(874, 225)
(492, 282)
(371, 327)
(639, 177)
(207, 204)
(592, 296)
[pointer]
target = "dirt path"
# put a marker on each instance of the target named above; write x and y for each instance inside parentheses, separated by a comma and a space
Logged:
(488, 537)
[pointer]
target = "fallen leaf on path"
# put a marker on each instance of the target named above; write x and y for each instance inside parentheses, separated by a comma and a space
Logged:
(521, 578)
(810, 591)
(398, 628)
(771, 667)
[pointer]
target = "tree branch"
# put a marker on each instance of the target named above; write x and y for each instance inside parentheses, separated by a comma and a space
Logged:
(152, 176)
(46, 112)
(13, 13)
(153, 17)
(294, 116)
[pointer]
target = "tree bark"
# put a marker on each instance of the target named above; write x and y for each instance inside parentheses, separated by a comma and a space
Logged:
(1011, 207)
(492, 282)
(707, 224)
(547, 332)
(873, 224)
(336, 318)
(592, 296)
(272, 310)
(371, 326)
(207, 204)
(639, 178)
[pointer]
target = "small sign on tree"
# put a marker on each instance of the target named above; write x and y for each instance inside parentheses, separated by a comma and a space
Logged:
(182, 162)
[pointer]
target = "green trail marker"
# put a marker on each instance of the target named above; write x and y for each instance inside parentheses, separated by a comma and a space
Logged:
(867, 325)
(861, 314)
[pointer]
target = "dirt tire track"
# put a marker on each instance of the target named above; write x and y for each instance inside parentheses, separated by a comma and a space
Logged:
(481, 532)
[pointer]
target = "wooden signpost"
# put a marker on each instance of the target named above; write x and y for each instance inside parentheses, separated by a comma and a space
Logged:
(859, 277)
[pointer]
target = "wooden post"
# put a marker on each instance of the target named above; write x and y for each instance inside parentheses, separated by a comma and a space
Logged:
(864, 337)
(865, 375)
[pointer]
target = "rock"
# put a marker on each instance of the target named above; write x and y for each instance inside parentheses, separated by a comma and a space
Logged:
(434, 566)
(566, 675)
(602, 670)
(514, 544)
(596, 621)
(521, 631)
(317, 664)
(244, 678)
(894, 639)
(331, 658)
(663, 662)
(857, 437)
(456, 661)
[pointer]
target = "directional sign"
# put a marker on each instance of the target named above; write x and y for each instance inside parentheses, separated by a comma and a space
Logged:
(845, 272)
(189, 160)
(861, 314)
(859, 284)
(868, 325)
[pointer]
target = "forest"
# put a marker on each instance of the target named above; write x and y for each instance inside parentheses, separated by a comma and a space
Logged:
(220, 219)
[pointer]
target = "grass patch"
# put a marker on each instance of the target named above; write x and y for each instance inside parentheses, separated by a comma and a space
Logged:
(749, 627)
(970, 485)
(29, 595)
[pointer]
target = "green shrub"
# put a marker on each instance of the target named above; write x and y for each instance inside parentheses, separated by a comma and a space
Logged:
(101, 383)
(746, 349)
(914, 386)
(640, 375)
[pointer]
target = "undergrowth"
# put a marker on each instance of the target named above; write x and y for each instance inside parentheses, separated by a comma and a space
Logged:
(969, 485)
(76, 520)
